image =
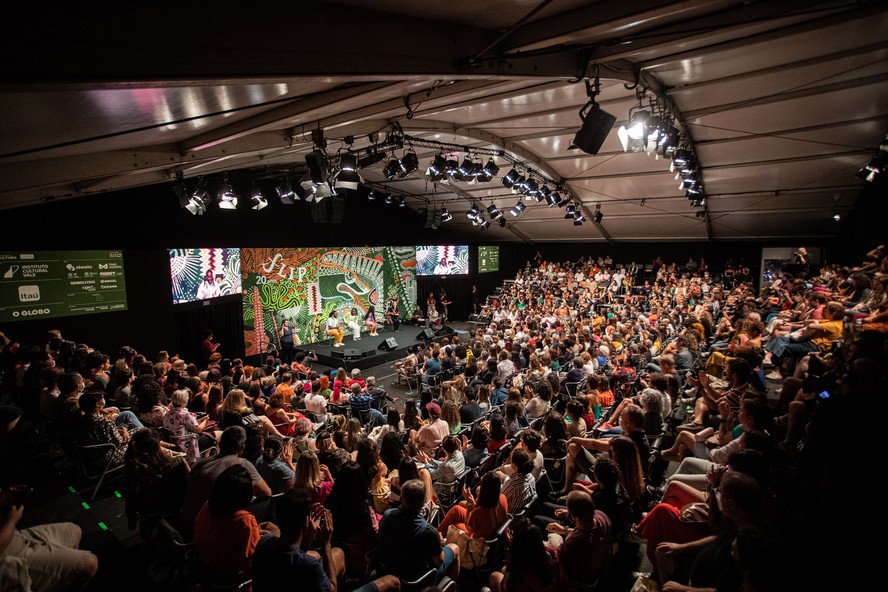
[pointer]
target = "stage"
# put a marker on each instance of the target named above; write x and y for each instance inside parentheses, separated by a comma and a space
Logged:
(373, 351)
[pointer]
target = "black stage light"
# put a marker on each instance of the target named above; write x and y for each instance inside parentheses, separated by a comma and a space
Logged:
(257, 200)
(227, 197)
(446, 216)
(285, 192)
(511, 177)
(494, 212)
(597, 216)
(317, 166)
(409, 163)
(570, 212)
(518, 208)
(391, 170)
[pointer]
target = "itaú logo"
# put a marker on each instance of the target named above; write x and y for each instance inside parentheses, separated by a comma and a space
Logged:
(29, 293)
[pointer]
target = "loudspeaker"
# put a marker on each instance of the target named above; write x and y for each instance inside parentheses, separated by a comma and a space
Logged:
(426, 335)
(388, 345)
(597, 124)
(352, 354)
(337, 353)
(444, 330)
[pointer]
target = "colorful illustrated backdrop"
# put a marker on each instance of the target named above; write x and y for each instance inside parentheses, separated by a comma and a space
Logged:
(189, 266)
(304, 285)
(428, 259)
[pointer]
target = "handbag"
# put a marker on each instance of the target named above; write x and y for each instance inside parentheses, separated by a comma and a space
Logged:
(644, 583)
(472, 551)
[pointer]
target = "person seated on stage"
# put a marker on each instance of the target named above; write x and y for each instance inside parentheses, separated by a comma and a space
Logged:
(333, 329)
(393, 314)
(351, 318)
(370, 321)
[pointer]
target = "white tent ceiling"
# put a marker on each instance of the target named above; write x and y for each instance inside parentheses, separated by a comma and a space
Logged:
(784, 102)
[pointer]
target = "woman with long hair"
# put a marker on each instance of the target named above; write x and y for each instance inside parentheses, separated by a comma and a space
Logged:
(392, 450)
(353, 432)
(155, 481)
(280, 418)
(313, 476)
(498, 432)
(625, 454)
(356, 522)
(450, 414)
(370, 321)
(367, 457)
(480, 517)
(530, 566)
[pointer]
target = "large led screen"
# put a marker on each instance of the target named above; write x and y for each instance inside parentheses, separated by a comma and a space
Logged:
(199, 274)
(488, 259)
(305, 285)
(49, 284)
(442, 260)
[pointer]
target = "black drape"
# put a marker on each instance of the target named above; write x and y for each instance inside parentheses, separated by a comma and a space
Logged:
(225, 316)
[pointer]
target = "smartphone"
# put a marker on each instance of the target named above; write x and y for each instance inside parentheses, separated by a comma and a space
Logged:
(824, 395)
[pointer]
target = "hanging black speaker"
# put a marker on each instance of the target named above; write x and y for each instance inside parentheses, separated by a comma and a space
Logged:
(597, 124)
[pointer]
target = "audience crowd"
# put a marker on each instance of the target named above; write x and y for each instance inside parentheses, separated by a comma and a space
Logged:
(593, 415)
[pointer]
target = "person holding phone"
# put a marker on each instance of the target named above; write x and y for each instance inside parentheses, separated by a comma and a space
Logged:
(45, 556)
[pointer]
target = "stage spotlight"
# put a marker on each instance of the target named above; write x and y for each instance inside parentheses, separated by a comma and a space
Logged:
(494, 212)
(511, 177)
(451, 165)
(837, 217)
(473, 212)
(597, 216)
(348, 177)
(870, 172)
(388, 199)
(392, 169)
(285, 192)
(197, 202)
(531, 187)
(257, 200)
(563, 201)
(402, 203)
(633, 136)
(445, 215)
(520, 184)
(466, 168)
(437, 166)
(578, 221)
(698, 203)
(409, 163)
(681, 157)
(571, 212)
(371, 195)
(502, 222)
(484, 224)
(489, 171)
(552, 199)
(227, 197)
(517, 209)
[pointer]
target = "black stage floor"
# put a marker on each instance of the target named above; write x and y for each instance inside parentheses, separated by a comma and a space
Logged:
(372, 351)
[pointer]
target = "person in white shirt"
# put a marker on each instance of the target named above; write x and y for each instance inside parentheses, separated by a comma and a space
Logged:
(333, 329)
(315, 402)
(442, 268)
(208, 287)
(351, 320)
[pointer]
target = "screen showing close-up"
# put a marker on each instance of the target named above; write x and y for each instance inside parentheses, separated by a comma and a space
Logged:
(199, 274)
(442, 260)
(488, 259)
(49, 284)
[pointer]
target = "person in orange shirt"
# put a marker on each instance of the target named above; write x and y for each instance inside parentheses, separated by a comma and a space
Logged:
(225, 533)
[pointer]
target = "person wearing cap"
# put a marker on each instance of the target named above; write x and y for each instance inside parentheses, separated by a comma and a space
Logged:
(429, 436)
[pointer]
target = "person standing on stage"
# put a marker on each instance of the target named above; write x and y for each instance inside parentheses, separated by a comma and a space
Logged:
(333, 329)
(208, 348)
(351, 318)
(444, 302)
(394, 314)
(370, 321)
(288, 343)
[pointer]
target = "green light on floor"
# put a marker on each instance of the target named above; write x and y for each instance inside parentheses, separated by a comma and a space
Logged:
(85, 505)
(117, 493)
(71, 489)
(102, 526)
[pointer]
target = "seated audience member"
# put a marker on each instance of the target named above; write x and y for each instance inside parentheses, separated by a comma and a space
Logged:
(408, 545)
(530, 565)
(313, 477)
(155, 481)
(446, 470)
(43, 557)
(477, 452)
(520, 487)
(470, 411)
(349, 501)
(479, 518)
(225, 533)
(361, 405)
(275, 465)
(184, 427)
(430, 436)
(584, 549)
(205, 472)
